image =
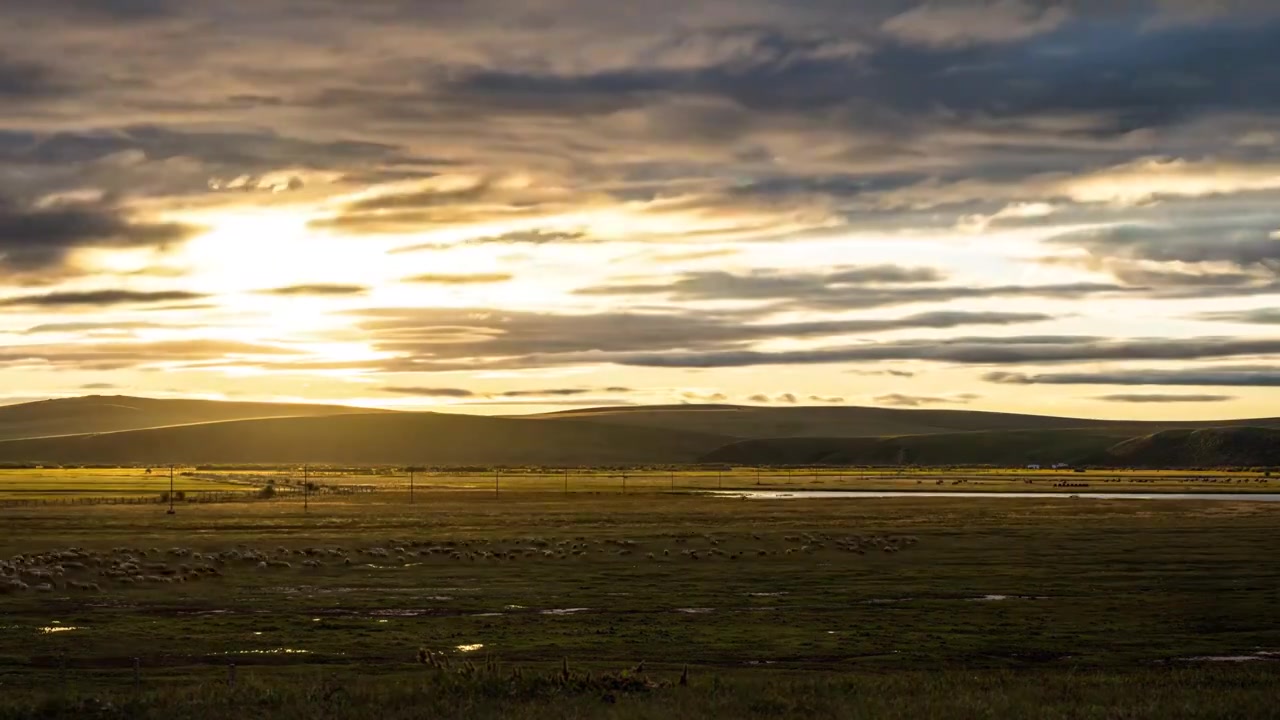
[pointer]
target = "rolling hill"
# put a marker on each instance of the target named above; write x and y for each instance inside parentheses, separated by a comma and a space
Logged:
(848, 422)
(1206, 447)
(373, 439)
(1106, 447)
(99, 413)
(106, 430)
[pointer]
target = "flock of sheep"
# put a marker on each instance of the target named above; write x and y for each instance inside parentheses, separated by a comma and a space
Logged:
(80, 570)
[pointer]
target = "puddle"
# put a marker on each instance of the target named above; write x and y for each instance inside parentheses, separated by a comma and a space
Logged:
(765, 594)
(563, 611)
(398, 613)
(886, 601)
(470, 648)
(1260, 655)
(999, 598)
(694, 611)
(273, 651)
(51, 629)
(489, 614)
(820, 494)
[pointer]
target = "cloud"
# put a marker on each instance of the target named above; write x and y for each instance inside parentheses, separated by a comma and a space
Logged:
(844, 290)
(1260, 316)
(901, 400)
(429, 392)
(98, 298)
(1228, 376)
(121, 355)
(321, 289)
(523, 237)
(1154, 398)
(969, 351)
(433, 336)
(108, 326)
(460, 279)
(99, 386)
(893, 373)
(24, 80)
(41, 239)
(1150, 178)
(704, 397)
(957, 23)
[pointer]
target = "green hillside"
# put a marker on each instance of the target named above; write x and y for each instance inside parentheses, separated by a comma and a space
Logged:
(371, 439)
(99, 413)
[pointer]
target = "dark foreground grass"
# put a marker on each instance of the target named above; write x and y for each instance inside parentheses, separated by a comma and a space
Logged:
(1201, 692)
(900, 607)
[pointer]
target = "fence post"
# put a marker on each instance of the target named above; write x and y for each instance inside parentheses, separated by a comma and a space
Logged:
(231, 674)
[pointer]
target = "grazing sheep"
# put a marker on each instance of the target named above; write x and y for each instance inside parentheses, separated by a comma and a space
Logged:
(44, 588)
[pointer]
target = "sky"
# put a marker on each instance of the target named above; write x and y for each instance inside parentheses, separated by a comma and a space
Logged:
(505, 207)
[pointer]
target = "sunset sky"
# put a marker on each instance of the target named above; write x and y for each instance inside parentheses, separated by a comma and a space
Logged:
(503, 207)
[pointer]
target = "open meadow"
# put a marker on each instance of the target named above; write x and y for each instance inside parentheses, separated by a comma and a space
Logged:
(462, 601)
(72, 484)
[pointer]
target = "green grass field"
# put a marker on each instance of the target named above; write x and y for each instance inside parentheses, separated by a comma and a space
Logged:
(977, 608)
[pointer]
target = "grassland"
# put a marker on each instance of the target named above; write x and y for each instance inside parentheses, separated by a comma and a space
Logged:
(897, 607)
(56, 484)
(67, 484)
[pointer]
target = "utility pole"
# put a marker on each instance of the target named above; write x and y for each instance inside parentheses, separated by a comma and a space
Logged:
(496, 474)
(673, 479)
(566, 481)
(624, 483)
(171, 510)
(306, 490)
(720, 481)
(757, 474)
(411, 470)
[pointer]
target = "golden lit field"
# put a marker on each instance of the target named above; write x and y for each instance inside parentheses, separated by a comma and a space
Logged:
(52, 484)
(46, 484)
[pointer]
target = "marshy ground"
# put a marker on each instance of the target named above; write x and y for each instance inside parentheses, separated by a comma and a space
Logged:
(750, 594)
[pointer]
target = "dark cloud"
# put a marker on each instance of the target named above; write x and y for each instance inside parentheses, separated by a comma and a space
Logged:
(99, 386)
(441, 335)
(528, 237)
(21, 80)
(893, 373)
(1156, 398)
(90, 327)
(1228, 376)
(845, 289)
(321, 289)
(429, 392)
(552, 392)
(1242, 243)
(460, 279)
(1260, 316)
(120, 355)
(40, 239)
(970, 351)
(901, 400)
(97, 298)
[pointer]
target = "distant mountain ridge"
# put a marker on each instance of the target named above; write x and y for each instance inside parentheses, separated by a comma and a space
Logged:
(113, 413)
(127, 430)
